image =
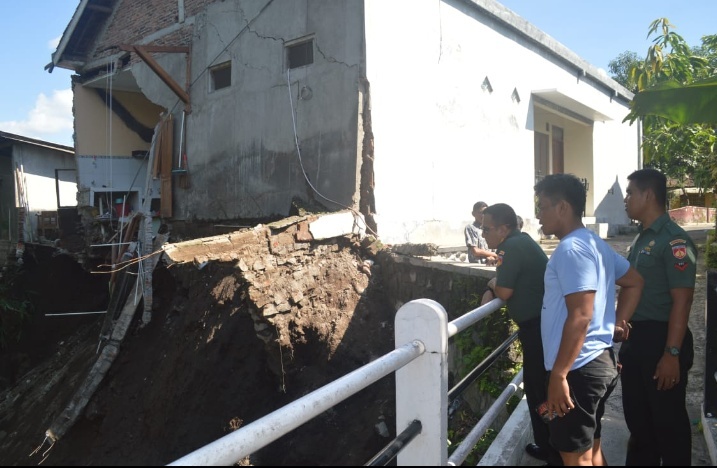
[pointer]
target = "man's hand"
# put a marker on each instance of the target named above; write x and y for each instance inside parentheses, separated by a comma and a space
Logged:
(622, 331)
(667, 372)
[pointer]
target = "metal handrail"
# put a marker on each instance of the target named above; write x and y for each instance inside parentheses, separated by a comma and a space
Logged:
(484, 365)
(389, 452)
(469, 318)
(466, 446)
(248, 439)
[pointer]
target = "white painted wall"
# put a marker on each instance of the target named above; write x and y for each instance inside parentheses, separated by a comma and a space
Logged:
(117, 175)
(443, 143)
(38, 164)
(611, 171)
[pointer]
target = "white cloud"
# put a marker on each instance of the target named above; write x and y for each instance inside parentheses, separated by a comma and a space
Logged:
(53, 43)
(50, 119)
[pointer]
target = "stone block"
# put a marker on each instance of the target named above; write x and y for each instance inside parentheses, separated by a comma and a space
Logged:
(335, 225)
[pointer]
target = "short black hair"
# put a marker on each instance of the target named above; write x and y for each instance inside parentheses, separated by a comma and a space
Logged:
(564, 187)
(651, 179)
(502, 214)
(478, 205)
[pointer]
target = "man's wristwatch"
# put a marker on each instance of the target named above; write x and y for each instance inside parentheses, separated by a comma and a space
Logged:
(672, 351)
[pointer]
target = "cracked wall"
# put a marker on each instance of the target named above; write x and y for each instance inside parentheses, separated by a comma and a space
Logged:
(274, 134)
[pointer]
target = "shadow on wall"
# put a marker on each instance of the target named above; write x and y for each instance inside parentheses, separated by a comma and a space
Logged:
(611, 208)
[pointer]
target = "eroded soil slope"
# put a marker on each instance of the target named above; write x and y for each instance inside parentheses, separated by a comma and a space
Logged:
(210, 361)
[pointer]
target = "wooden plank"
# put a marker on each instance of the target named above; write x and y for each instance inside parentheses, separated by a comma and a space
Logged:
(166, 197)
(156, 160)
(167, 146)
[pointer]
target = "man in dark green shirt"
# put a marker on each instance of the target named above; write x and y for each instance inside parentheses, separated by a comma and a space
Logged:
(519, 282)
(658, 353)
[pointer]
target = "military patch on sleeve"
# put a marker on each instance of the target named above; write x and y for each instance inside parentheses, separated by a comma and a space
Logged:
(499, 262)
(678, 241)
(680, 266)
(679, 251)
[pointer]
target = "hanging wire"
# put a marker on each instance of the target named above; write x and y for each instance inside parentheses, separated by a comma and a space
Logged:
(126, 263)
(301, 162)
(111, 98)
(210, 64)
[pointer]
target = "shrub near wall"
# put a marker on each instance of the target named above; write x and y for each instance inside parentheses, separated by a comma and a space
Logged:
(711, 250)
(458, 291)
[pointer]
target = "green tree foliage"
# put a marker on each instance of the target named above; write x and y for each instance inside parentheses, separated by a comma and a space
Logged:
(670, 83)
(620, 67)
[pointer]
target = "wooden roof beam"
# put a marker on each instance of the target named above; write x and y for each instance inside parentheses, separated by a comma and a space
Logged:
(144, 52)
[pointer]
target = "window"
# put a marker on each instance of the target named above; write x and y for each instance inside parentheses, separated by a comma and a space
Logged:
(221, 76)
(300, 54)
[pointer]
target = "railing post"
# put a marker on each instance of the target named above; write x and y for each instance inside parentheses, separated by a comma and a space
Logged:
(710, 401)
(422, 385)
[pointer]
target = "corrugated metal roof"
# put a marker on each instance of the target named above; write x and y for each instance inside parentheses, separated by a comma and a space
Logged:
(32, 141)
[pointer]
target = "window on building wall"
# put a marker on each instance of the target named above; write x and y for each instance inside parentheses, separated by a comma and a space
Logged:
(300, 54)
(221, 76)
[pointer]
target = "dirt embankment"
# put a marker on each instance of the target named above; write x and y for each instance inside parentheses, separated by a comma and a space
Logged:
(205, 365)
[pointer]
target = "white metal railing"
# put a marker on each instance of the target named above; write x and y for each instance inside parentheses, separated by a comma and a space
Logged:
(464, 449)
(420, 362)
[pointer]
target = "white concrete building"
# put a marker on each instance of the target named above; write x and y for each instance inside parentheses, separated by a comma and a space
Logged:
(36, 177)
(407, 111)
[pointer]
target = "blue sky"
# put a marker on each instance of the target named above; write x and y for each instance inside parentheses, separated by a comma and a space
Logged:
(600, 30)
(38, 104)
(33, 102)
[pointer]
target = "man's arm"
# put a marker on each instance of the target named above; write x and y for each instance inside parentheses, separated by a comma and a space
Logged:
(482, 253)
(580, 311)
(631, 284)
(499, 291)
(667, 372)
(680, 263)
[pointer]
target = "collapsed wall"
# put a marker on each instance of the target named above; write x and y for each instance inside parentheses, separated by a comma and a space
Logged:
(242, 324)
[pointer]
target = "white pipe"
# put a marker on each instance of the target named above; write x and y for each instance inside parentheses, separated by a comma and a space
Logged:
(471, 317)
(464, 449)
(76, 313)
(110, 245)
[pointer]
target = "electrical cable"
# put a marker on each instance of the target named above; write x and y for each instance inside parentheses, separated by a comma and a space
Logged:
(296, 139)
(301, 163)
(249, 23)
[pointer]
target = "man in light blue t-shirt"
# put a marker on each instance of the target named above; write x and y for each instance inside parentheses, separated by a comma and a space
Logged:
(578, 320)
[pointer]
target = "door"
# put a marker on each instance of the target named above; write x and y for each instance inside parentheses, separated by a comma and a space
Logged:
(541, 154)
(558, 150)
